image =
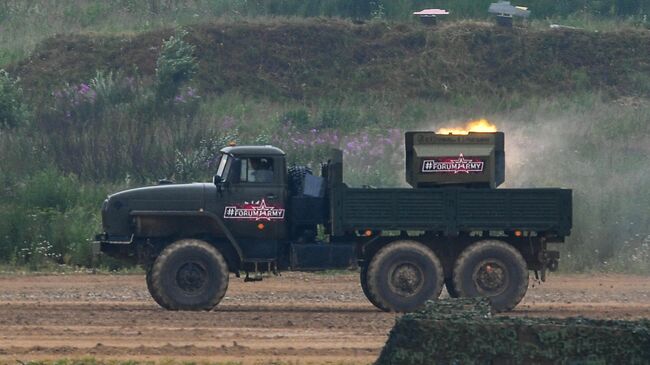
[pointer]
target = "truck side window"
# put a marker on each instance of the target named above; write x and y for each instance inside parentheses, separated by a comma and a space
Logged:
(257, 169)
(221, 169)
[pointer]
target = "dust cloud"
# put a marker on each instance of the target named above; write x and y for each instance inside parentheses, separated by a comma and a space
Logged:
(599, 150)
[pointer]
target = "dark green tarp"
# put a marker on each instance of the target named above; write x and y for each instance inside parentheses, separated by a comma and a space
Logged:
(463, 331)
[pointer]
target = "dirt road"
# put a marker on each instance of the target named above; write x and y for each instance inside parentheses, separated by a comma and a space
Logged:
(306, 317)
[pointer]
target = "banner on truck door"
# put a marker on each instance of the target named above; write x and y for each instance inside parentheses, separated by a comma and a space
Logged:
(258, 210)
(453, 165)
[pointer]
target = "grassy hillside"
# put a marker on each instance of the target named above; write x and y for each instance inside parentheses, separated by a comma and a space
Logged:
(87, 114)
(24, 24)
(303, 59)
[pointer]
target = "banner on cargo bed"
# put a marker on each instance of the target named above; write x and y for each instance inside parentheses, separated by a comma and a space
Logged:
(453, 165)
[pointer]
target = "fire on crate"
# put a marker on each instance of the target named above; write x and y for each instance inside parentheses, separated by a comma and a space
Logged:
(478, 125)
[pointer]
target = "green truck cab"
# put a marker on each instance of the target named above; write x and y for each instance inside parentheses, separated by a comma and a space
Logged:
(453, 228)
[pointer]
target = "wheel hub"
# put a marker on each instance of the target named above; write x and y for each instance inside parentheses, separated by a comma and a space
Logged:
(406, 279)
(491, 277)
(191, 277)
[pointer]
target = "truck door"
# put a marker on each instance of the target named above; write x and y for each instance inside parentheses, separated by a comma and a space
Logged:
(255, 204)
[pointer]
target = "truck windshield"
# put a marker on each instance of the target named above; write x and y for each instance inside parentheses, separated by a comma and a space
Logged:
(221, 170)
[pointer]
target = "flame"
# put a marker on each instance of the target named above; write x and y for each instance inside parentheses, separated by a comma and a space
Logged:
(478, 125)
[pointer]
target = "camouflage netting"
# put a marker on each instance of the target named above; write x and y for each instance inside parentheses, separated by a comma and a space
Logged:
(463, 331)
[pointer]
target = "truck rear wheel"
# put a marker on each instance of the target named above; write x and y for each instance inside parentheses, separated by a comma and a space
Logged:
(492, 269)
(189, 275)
(403, 275)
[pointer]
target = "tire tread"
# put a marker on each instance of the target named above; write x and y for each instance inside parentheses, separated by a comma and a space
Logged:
(475, 249)
(159, 265)
(363, 276)
(153, 291)
(375, 262)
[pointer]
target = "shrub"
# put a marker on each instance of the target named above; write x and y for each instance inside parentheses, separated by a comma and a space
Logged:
(199, 162)
(13, 112)
(41, 237)
(336, 117)
(50, 190)
(297, 117)
(114, 88)
(50, 220)
(175, 66)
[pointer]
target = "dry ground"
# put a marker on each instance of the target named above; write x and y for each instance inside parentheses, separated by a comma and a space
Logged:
(304, 318)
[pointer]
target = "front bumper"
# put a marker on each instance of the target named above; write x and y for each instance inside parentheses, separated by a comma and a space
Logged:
(105, 243)
(114, 246)
(105, 238)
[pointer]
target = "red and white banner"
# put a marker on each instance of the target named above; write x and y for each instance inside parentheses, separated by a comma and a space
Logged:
(258, 210)
(453, 165)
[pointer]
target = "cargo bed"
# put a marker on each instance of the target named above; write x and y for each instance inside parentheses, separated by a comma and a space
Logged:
(452, 210)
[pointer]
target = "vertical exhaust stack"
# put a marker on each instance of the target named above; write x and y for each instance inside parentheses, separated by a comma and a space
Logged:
(473, 160)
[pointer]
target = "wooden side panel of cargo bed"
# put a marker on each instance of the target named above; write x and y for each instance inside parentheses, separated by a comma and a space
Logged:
(394, 209)
(453, 210)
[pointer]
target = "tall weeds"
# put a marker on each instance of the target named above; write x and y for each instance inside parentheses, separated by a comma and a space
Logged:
(596, 147)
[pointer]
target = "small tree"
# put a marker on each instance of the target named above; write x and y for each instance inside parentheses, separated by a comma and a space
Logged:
(175, 66)
(13, 112)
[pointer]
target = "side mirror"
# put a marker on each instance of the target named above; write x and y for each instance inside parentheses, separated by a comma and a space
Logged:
(216, 179)
(235, 171)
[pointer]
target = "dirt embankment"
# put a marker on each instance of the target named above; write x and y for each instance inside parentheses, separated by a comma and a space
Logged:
(315, 58)
(295, 316)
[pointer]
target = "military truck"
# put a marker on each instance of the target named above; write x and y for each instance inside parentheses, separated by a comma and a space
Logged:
(452, 228)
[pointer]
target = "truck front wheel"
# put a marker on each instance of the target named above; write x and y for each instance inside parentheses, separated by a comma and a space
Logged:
(492, 269)
(189, 275)
(403, 275)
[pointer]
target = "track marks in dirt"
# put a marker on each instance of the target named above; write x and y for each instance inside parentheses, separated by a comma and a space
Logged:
(292, 317)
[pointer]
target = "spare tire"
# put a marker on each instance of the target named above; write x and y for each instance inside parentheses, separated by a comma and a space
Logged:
(297, 179)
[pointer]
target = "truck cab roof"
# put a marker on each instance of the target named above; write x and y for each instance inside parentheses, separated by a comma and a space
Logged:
(253, 150)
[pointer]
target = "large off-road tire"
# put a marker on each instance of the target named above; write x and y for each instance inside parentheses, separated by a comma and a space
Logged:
(403, 275)
(154, 293)
(363, 278)
(190, 275)
(492, 269)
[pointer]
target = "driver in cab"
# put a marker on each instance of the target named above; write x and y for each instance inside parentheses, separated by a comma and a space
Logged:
(260, 170)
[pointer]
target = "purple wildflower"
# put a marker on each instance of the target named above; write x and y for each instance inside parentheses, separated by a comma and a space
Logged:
(228, 122)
